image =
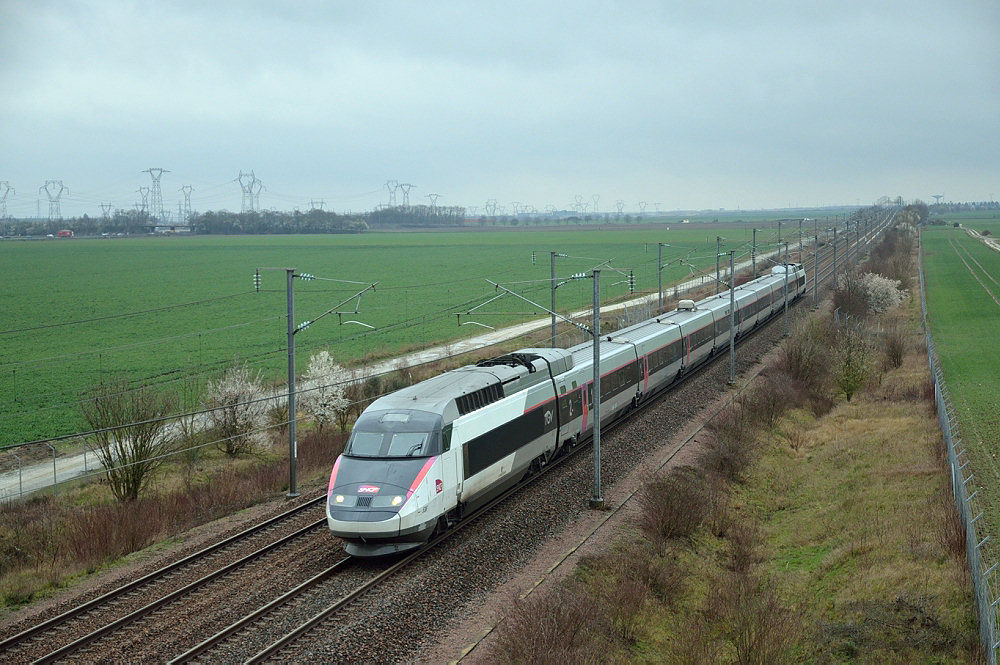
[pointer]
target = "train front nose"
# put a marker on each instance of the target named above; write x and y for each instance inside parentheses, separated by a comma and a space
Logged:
(365, 510)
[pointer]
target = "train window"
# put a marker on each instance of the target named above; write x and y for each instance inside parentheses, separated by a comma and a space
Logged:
(364, 444)
(446, 438)
(407, 444)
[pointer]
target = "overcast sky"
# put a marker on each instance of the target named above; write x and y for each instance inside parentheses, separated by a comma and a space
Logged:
(687, 105)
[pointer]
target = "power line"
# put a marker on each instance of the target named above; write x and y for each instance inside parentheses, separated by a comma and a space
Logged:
(123, 315)
(135, 345)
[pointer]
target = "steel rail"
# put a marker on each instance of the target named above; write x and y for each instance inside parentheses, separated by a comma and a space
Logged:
(229, 631)
(49, 624)
(107, 629)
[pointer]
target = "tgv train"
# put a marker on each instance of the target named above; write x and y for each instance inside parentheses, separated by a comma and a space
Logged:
(420, 458)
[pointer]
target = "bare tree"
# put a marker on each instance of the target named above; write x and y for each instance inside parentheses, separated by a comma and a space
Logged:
(130, 433)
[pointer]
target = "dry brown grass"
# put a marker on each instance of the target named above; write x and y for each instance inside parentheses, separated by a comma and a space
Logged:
(45, 541)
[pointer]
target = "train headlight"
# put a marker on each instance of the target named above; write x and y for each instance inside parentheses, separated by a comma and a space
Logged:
(397, 500)
(339, 498)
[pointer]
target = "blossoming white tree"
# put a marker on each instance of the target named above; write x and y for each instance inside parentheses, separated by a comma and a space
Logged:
(883, 293)
(324, 391)
(239, 406)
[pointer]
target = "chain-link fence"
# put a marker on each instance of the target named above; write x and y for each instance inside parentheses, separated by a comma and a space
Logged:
(979, 546)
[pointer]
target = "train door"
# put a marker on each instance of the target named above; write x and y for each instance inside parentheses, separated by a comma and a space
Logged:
(451, 468)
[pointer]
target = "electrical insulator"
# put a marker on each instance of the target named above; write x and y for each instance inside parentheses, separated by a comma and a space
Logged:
(305, 276)
(532, 258)
(631, 282)
(256, 282)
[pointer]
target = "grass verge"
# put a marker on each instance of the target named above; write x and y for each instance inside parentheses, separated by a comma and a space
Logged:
(829, 534)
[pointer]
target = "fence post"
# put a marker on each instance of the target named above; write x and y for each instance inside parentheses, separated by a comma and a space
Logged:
(54, 480)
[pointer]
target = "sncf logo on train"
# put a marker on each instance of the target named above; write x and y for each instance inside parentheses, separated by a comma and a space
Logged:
(368, 489)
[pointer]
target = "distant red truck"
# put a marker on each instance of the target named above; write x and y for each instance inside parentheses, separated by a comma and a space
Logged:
(65, 234)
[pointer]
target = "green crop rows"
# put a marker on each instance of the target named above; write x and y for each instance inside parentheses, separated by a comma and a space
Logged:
(76, 312)
(965, 321)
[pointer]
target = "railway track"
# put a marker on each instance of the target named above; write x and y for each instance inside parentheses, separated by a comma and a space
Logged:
(67, 633)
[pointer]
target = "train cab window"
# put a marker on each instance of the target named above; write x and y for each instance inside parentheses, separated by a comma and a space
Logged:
(366, 444)
(574, 385)
(407, 444)
(397, 434)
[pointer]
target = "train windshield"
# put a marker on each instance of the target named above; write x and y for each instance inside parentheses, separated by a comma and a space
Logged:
(395, 434)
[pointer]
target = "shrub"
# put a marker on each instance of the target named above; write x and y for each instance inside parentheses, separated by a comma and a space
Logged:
(673, 506)
(805, 360)
(853, 362)
(894, 346)
(746, 610)
(554, 627)
(849, 296)
(660, 576)
(768, 399)
(735, 440)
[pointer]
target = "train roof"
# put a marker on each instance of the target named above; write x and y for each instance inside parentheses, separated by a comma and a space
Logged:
(473, 386)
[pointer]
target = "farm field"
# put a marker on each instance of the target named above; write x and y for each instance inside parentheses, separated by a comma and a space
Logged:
(160, 310)
(963, 287)
(978, 220)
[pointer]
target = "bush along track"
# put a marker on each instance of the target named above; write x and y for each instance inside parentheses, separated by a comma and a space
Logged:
(812, 528)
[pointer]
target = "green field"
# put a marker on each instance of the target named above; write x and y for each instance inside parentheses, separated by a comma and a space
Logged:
(977, 220)
(157, 309)
(965, 324)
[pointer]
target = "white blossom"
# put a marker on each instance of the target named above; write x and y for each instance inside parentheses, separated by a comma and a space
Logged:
(881, 292)
(239, 408)
(324, 389)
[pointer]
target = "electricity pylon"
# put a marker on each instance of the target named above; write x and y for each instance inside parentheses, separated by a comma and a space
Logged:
(406, 187)
(5, 189)
(257, 186)
(156, 202)
(186, 190)
(144, 193)
(53, 189)
(247, 181)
